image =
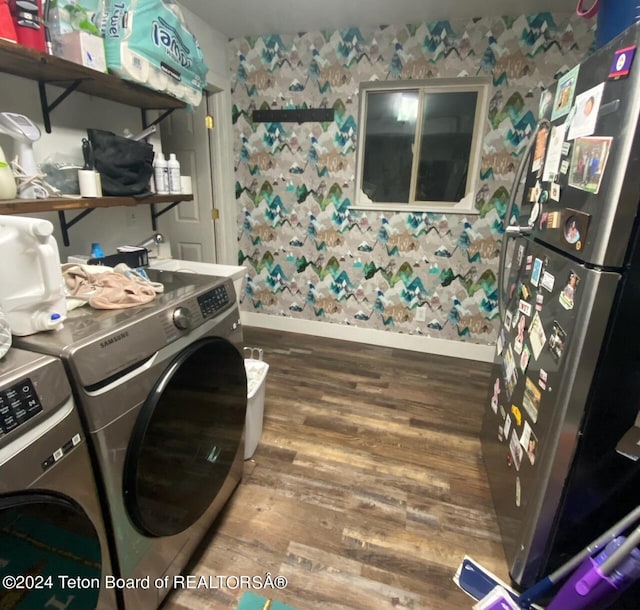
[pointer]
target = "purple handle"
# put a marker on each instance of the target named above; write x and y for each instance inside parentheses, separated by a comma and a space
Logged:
(587, 588)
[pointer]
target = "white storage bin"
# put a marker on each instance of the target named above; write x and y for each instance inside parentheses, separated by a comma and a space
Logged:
(256, 370)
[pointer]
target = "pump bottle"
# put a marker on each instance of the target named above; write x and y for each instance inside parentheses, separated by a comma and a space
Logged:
(173, 166)
(161, 174)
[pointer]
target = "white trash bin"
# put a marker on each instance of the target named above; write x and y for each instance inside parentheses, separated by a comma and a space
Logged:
(256, 370)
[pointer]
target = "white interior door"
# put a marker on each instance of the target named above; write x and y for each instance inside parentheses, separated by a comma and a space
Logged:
(189, 226)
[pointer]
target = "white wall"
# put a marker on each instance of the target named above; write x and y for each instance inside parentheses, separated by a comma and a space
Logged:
(214, 46)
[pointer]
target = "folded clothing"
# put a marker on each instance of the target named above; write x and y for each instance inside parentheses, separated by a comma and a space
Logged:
(106, 287)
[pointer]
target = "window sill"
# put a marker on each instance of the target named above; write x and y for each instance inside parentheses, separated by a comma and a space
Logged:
(464, 206)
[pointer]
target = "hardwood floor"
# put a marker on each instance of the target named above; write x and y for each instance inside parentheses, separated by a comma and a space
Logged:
(367, 487)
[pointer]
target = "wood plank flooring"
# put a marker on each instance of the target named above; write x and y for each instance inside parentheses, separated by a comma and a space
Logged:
(367, 487)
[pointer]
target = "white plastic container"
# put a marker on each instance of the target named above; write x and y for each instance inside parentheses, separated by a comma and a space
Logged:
(32, 292)
(173, 165)
(257, 371)
(161, 174)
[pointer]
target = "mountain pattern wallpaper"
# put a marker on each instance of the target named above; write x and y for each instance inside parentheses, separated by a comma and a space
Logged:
(310, 255)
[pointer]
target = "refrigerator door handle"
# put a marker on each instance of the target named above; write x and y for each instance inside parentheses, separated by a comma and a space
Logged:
(513, 230)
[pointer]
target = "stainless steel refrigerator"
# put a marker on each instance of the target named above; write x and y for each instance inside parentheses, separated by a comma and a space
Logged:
(558, 437)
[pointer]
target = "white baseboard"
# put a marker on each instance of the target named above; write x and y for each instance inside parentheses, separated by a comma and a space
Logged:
(416, 343)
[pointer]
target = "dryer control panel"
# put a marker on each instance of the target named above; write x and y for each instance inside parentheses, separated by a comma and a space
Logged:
(18, 404)
(213, 301)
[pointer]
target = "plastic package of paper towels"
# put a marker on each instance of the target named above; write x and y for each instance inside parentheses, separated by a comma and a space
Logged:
(148, 42)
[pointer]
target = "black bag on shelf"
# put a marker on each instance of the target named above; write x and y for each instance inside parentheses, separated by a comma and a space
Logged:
(125, 166)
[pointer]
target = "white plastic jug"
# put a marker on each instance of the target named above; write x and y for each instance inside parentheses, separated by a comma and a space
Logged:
(31, 284)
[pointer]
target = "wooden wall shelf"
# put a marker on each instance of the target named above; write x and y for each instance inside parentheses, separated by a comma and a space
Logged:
(34, 65)
(55, 204)
(87, 205)
(47, 69)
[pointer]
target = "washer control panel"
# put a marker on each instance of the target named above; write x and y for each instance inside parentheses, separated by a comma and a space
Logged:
(18, 404)
(213, 301)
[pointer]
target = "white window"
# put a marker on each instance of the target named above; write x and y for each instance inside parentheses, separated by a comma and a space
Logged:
(420, 143)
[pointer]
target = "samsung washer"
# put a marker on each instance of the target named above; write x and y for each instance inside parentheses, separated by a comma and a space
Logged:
(162, 390)
(53, 546)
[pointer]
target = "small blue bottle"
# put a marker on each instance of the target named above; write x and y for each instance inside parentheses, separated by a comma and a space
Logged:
(96, 250)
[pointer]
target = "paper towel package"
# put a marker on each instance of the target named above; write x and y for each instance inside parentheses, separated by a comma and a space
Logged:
(148, 42)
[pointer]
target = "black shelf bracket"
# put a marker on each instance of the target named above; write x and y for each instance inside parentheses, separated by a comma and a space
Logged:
(294, 115)
(47, 108)
(161, 118)
(65, 226)
(155, 215)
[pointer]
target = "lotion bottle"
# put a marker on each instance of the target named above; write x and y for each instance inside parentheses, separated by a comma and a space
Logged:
(161, 174)
(173, 166)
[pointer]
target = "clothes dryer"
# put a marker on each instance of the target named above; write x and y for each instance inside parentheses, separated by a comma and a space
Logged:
(53, 545)
(162, 391)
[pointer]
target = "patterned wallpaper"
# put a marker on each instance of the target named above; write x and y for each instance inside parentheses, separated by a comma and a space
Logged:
(312, 256)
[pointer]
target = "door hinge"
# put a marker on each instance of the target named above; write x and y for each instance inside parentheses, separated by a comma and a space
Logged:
(215, 214)
(208, 121)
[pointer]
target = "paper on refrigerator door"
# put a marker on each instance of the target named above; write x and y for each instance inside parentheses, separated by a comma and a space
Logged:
(554, 153)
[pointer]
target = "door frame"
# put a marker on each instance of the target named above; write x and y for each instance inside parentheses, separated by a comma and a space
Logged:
(219, 105)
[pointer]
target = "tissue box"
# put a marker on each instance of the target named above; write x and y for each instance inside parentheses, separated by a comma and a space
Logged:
(83, 48)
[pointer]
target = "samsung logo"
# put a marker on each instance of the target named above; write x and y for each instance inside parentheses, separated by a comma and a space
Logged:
(114, 339)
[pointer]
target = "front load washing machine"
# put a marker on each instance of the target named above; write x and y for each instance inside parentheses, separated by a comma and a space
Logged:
(53, 546)
(162, 390)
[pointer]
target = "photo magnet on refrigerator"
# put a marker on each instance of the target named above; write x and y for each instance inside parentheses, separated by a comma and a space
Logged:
(564, 93)
(588, 162)
(494, 398)
(557, 341)
(531, 399)
(568, 293)
(586, 116)
(540, 146)
(529, 441)
(575, 228)
(516, 449)
(537, 336)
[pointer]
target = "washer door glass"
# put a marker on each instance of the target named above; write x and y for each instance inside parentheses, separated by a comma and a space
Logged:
(186, 438)
(47, 543)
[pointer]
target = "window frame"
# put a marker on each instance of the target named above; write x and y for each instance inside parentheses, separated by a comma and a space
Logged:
(466, 205)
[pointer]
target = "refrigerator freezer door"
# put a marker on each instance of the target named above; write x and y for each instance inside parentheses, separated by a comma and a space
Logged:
(582, 191)
(555, 318)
